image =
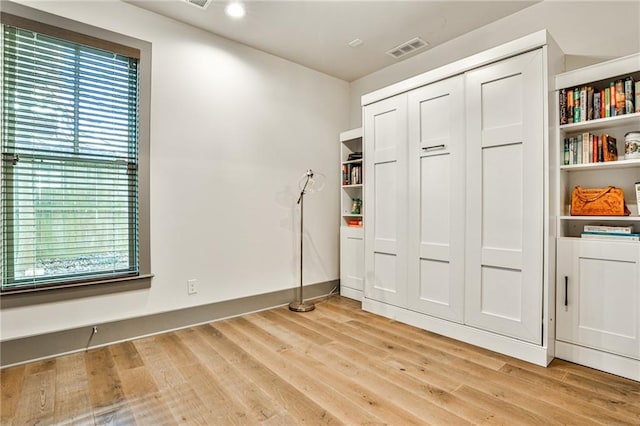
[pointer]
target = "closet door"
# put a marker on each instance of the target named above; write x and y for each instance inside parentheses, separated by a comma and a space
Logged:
(505, 197)
(385, 138)
(436, 199)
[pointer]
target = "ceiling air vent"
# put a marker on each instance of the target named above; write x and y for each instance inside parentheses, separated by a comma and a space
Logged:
(202, 4)
(407, 47)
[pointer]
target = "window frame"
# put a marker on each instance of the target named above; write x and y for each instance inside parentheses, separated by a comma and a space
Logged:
(74, 31)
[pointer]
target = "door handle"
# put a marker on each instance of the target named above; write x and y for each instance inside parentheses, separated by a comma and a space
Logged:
(566, 290)
(427, 148)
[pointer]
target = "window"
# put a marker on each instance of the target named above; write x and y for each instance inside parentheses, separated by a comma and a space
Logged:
(70, 168)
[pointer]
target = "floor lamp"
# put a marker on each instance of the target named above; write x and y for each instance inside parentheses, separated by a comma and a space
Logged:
(307, 183)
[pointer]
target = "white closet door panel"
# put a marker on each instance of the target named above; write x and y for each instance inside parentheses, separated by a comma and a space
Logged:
(385, 206)
(600, 306)
(502, 99)
(505, 159)
(436, 199)
(502, 196)
(432, 274)
(385, 270)
(351, 260)
(501, 293)
(431, 125)
(385, 141)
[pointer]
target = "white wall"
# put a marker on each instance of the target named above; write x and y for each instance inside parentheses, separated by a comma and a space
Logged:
(232, 130)
(587, 32)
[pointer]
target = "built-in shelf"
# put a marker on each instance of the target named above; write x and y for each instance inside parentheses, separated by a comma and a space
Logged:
(602, 218)
(359, 185)
(620, 164)
(352, 162)
(601, 123)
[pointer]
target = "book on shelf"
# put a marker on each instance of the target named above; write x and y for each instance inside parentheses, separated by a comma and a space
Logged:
(587, 148)
(612, 98)
(354, 222)
(620, 98)
(357, 155)
(563, 106)
(351, 174)
(607, 229)
(576, 105)
(569, 103)
(610, 236)
(604, 99)
(628, 95)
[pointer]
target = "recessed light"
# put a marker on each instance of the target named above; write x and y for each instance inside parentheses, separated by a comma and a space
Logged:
(355, 42)
(235, 10)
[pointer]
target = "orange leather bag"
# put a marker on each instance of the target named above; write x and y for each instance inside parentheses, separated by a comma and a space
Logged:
(607, 201)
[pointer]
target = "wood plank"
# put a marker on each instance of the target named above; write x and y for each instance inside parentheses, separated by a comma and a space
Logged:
(105, 389)
(125, 356)
(259, 405)
(164, 372)
(516, 415)
(144, 398)
(305, 391)
(611, 389)
(425, 355)
(11, 380)
(36, 402)
(620, 410)
(72, 404)
(223, 409)
(182, 400)
(320, 384)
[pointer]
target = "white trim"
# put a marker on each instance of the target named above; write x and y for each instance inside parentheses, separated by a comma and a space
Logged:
(512, 48)
(348, 135)
(614, 364)
(351, 293)
(604, 70)
(508, 346)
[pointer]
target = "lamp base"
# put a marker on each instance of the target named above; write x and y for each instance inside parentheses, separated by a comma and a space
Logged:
(301, 306)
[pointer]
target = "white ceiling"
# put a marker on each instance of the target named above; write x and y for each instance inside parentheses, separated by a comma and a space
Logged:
(315, 33)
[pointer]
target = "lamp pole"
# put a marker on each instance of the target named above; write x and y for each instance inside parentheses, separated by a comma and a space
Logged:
(301, 305)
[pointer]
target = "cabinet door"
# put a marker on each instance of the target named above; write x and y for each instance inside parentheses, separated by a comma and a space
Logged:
(436, 199)
(598, 295)
(385, 138)
(352, 258)
(505, 197)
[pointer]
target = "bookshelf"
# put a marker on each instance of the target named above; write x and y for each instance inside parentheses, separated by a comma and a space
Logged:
(351, 214)
(597, 280)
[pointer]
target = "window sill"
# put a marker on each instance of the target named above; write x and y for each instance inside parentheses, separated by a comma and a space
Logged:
(33, 296)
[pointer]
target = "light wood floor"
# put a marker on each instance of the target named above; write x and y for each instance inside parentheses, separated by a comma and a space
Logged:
(335, 365)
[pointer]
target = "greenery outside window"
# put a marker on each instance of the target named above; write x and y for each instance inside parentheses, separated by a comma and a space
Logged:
(70, 203)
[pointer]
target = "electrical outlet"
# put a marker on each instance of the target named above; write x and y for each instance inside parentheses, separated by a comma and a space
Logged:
(192, 286)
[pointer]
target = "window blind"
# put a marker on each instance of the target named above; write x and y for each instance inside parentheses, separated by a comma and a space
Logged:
(69, 161)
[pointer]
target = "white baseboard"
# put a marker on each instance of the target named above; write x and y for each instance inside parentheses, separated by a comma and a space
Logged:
(351, 293)
(610, 363)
